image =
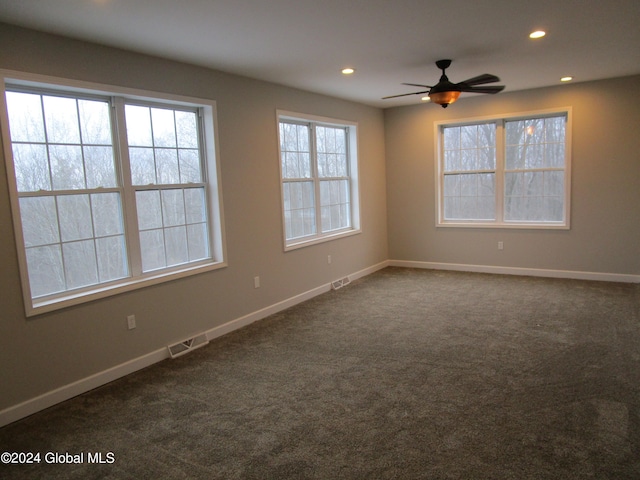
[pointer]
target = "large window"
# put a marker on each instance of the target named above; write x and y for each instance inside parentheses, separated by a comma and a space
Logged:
(506, 172)
(110, 191)
(318, 165)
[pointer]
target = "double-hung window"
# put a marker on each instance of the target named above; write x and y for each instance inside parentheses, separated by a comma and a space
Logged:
(318, 166)
(505, 172)
(108, 192)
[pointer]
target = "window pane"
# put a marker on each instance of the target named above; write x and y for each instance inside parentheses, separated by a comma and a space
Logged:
(487, 158)
(304, 165)
(107, 214)
(331, 144)
(152, 248)
(515, 157)
(138, 126)
(198, 243)
(100, 167)
(533, 156)
(149, 210)
(173, 208)
(75, 217)
(174, 135)
(190, 166)
(554, 129)
(451, 138)
(39, 221)
(553, 183)
(167, 165)
(143, 166)
(25, 117)
(451, 160)
(80, 263)
(187, 129)
(554, 155)
(67, 168)
(469, 196)
(176, 245)
(61, 119)
(32, 167)
(554, 209)
(95, 124)
(294, 150)
(468, 136)
(334, 201)
(468, 185)
(46, 275)
(469, 148)
(194, 205)
(164, 129)
(112, 261)
(515, 131)
(514, 184)
(299, 209)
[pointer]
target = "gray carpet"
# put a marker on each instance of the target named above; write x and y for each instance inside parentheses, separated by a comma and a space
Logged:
(404, 374)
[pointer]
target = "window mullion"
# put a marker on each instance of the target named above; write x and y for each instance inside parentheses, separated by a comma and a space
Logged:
(129, 210)
(500, 170)
(315, 175)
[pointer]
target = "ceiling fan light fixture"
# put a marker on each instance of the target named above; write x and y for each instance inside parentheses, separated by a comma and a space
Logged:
(444, 98)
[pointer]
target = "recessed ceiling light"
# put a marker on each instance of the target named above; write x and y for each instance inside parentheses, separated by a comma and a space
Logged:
(566, 79)
(425, 99)
(348, 71)
(537, 34)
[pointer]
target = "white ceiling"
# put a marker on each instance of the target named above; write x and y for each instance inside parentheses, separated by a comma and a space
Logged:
(305, 43)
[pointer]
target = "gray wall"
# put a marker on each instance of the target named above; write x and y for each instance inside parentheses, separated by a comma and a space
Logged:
(42, 353)
(605, 201)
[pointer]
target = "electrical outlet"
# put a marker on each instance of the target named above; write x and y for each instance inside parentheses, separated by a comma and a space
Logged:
(500, 245)
(131, 322)
(256, 282)
(329, 259)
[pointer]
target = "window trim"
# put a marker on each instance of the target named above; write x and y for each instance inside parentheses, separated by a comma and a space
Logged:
(500, 172)
(354, 183)
(212, 171)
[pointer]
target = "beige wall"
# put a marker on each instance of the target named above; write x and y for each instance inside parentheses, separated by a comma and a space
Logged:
(605, 200)
(42, 353)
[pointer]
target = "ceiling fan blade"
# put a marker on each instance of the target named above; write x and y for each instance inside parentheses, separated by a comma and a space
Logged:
(482, 79)
(489, 89)
(417, 85)
(405, 94)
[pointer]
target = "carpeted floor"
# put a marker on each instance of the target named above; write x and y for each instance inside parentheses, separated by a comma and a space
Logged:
(404, 374)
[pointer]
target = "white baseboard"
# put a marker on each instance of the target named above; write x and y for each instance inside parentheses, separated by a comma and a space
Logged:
(46, 400)
(66, 392)
(532, 272)
(290, 302)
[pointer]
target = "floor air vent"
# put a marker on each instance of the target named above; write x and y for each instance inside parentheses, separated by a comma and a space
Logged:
(336, 284)
(188, 345)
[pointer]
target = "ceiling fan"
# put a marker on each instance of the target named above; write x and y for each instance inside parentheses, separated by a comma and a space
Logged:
(445, 93)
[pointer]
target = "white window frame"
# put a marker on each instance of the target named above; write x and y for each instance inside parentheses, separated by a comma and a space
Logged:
(136, 278)
(353, 179)
(500, 171)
